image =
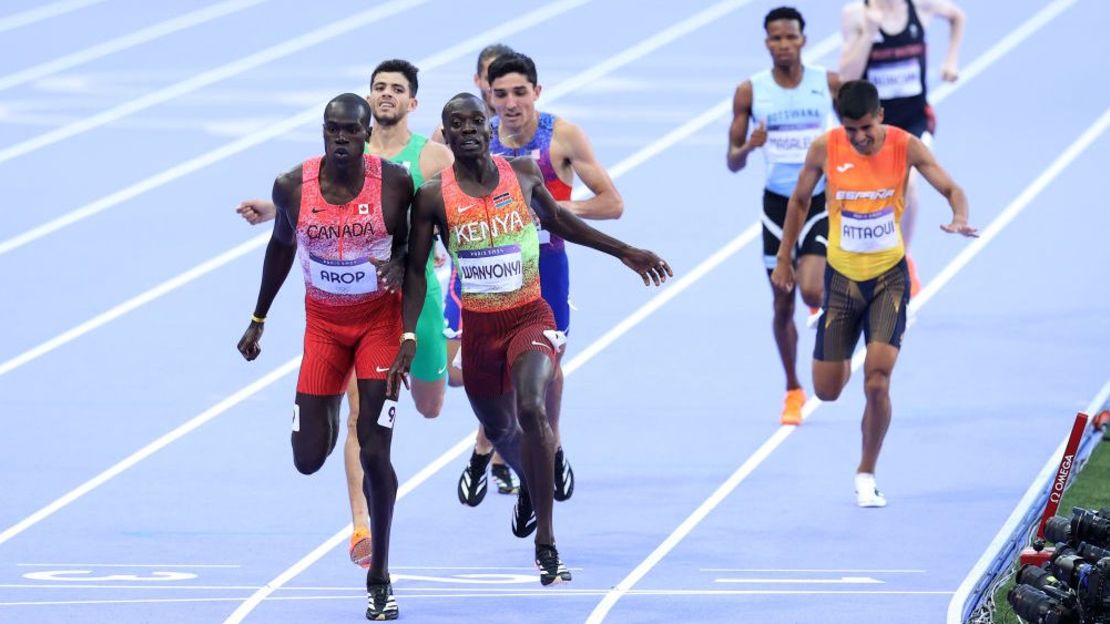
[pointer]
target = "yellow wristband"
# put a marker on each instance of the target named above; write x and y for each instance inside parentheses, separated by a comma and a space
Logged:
(258, 319)
(408, 336)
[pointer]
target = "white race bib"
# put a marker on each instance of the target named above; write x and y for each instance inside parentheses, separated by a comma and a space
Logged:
(388, 414)
(868, 232)
(494, 270)
(789, 142)
(896, 80)
(343, 277)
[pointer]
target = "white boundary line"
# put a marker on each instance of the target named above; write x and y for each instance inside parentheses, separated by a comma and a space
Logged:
(123, 42)
(30, 16)
(1040, 482)
(212, 76)
(532, 593)
(473, 44)
(771, 444)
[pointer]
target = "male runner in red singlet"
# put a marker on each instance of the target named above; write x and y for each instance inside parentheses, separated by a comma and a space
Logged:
(347, 213)
(482, 207)
(867, 289)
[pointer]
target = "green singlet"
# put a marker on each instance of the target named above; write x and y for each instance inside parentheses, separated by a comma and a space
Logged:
(430, 363)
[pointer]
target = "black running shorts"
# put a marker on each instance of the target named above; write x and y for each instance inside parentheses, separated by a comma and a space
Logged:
(877, 307)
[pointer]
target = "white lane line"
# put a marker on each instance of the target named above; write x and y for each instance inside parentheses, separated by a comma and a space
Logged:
(133, 303)
(1002, 538)
(30, 16)
(606, 604)
(443, 57)
(844, 580)
(276, 129)
(150, 449)
(212, 76)
(532, 593)
(645, 47)
(130, 40)
(131, 565)
(815, 570)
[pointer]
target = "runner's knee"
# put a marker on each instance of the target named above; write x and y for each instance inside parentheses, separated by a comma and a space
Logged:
(812, 295)
(876, 385)
(531, 409)
(308, 458)
(428, 406)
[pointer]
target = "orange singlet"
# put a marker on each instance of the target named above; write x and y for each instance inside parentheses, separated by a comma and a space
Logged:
(866, 196)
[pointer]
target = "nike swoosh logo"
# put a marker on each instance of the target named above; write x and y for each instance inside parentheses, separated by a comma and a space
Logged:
(465, 208)
(442, 370)
(315, 210)
(844, 167)
(541, 344)
(380, 369)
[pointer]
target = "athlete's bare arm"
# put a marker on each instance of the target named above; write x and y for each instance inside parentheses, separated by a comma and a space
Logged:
(796, 210)
(435, 157)
(437, 136)
(564, 223)
(280, 253)
(834, 86)
(739, 143)
(396, 199)
(571, 143)
(922, 159)
(957, 19)
(858, 26)
(427, 215)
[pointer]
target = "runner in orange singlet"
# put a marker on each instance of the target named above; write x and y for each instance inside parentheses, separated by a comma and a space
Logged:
(867, 288)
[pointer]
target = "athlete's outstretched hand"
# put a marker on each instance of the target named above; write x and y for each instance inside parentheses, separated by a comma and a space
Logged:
(651, 267)
(249, 344)
(256, 211)
(391, 273)
(949, 72)
(759, 135)
(960, 226)
(399, 372)
(783, 276)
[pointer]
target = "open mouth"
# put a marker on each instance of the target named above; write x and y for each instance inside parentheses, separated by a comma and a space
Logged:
(470, 143)
(341, 151)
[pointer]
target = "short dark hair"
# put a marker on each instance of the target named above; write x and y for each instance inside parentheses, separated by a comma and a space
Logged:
(491, 52)
(465, 95)
(400, 66)
(353, 100)
(514, 63)
(857, 98)
(784, 13)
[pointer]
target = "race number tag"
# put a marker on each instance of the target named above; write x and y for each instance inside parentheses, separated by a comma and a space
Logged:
(388, 415)
(343, 277)
(789, 142)
(494, 270)
(896, 80)
(868, 232)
